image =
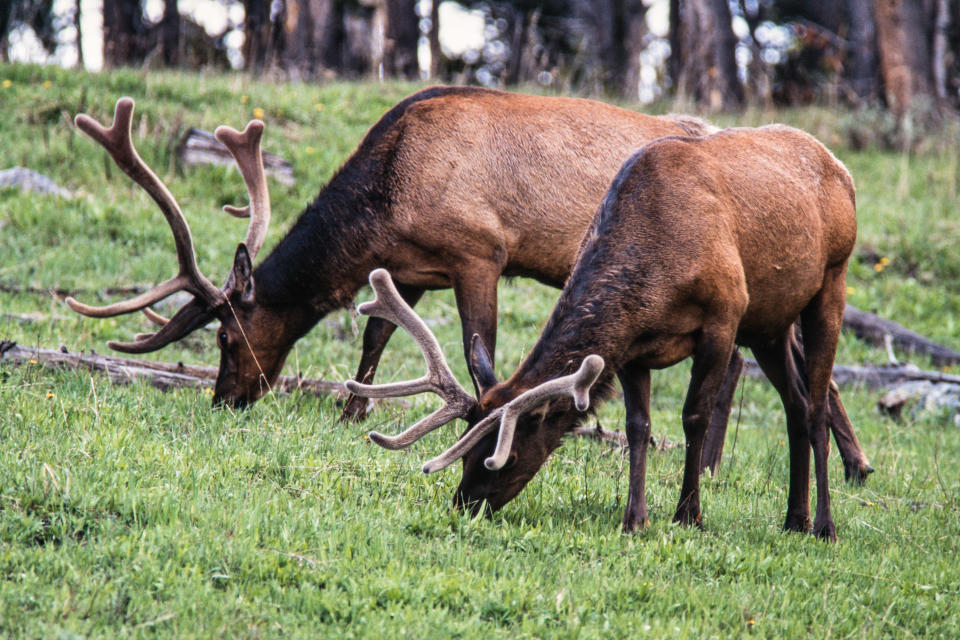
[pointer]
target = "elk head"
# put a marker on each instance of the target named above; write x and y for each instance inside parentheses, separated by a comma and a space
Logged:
(508, 440)
(242, 320)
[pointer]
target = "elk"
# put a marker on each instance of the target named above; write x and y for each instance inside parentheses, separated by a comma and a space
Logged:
(700, 245)
(453, 187)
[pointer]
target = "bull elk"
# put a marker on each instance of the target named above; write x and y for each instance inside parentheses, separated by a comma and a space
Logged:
(453, 187)
(700, 244)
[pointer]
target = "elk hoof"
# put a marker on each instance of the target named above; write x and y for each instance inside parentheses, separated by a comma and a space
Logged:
(689, 518)
(856, 472)
(799, 523)
(826, 531)
(633, 524)
(355, 410)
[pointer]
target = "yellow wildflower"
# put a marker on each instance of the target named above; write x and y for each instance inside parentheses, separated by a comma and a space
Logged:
(258, 113)
(851, 291)
(7, 84)
(244, 99)
(51, 395)
(318, 107)
(47, 84)
(309, 150)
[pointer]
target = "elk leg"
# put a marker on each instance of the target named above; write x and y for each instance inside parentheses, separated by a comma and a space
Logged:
(821, 322)
(717, 431)
(375, 337)
(710, 361)
(780, 368)
(476, 297)
(856, 467)
(635, 381)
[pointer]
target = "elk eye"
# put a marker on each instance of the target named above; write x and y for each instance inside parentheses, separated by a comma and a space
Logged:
(222, 339)
(511, 460)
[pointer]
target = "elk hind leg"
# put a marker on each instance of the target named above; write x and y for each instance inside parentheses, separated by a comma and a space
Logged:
(821, 321)
(780, 368)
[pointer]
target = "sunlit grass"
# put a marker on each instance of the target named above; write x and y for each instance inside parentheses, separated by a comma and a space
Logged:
(129, 512)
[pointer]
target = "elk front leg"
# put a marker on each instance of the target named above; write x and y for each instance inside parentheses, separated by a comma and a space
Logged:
(717, 431)
(710, 361)
(476, 294)
(375, 337)
(635, 381)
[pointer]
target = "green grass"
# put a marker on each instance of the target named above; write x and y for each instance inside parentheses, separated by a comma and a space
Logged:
(127, 512)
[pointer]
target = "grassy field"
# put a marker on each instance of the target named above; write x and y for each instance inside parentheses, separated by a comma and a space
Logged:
(127, 512)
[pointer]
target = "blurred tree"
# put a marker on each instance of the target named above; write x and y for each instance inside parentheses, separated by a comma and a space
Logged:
(258, 40)
(124, 33)
(36, 14)
(906, 64)
(401, 37)
(170, 38)
(702, 54)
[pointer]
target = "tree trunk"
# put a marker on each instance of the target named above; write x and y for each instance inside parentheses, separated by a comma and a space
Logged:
(436, 54)
(940, 48)
(6, 9)
(123, 33)
(861, 68)
(257, 32)
(702, 54)
(77, 21)
(170, 33)
(295, 47)
(905, 59)
(328, 33)
(401, 37)
(630, 34)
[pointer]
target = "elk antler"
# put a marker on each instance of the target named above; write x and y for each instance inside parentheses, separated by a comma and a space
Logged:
(245, 148)
(457, 402)
(438, 379)
(576, 384)
(118, 143)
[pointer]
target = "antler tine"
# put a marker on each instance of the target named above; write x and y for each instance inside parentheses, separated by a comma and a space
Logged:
(576, 384)
(118, 142)
(245, 148)
(438, 379)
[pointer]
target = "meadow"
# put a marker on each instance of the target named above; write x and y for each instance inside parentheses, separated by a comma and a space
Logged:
(129, 512)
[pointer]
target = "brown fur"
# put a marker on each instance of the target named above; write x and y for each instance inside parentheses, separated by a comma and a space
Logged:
(700, 244)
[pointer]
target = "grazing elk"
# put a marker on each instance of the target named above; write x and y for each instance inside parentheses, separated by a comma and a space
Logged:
(453, 187)
(699, 245)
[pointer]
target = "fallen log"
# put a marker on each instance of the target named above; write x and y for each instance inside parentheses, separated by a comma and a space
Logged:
(163, 375)
(873, 377)
(874, 329)
(202, 147)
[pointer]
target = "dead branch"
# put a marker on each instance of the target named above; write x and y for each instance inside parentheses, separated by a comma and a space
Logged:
(874, 329)
(202, 147)
(163, 375)
(873, 377)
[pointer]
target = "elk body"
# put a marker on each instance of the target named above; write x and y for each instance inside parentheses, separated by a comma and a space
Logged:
(453, 187)
(698, 246)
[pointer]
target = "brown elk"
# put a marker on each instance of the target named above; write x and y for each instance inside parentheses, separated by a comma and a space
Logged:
(701, 244)
(453, 187)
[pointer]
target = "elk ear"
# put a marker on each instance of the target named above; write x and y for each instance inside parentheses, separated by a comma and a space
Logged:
(241, 276)
(481, 366)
